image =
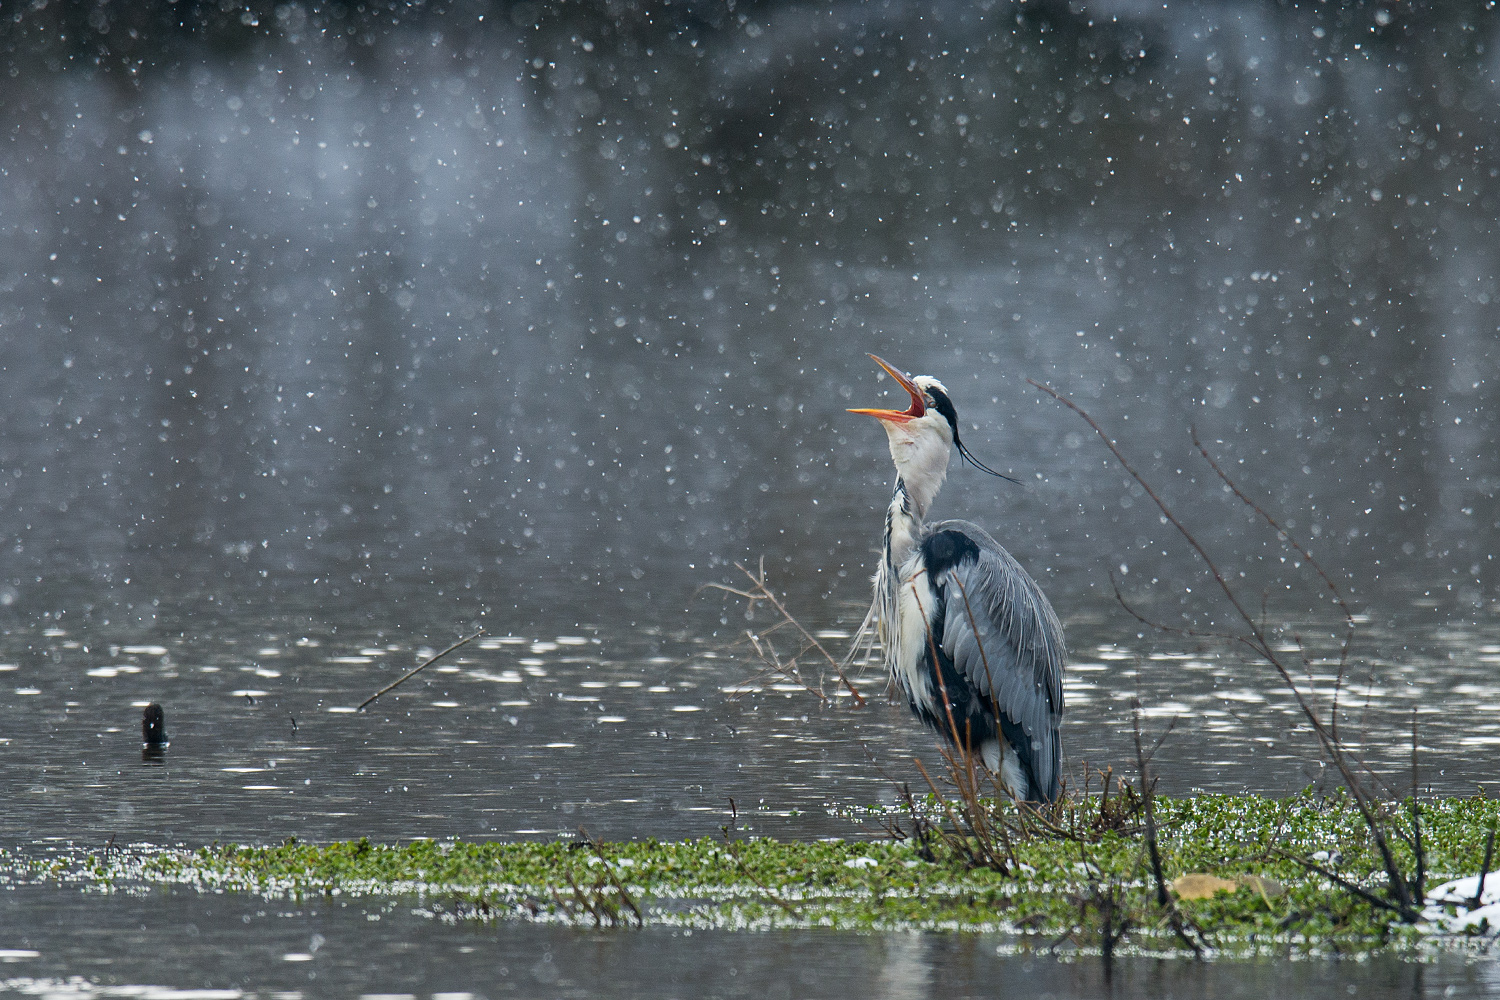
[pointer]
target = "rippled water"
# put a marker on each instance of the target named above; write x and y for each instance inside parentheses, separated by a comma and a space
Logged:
(327, 337)
(628, 733)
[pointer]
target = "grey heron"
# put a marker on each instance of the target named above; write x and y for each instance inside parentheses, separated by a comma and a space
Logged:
(967, 635)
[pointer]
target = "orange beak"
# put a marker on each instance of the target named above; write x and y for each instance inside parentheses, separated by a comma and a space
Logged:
(918, 406)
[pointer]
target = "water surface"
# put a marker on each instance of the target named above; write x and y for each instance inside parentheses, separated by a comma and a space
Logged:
(246, 947)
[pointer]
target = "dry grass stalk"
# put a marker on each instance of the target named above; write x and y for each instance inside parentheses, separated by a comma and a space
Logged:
(976, 833)
(415, 670)
(925, 832)
(606, 899)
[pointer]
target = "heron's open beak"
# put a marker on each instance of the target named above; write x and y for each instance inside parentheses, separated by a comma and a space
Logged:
(918, 406)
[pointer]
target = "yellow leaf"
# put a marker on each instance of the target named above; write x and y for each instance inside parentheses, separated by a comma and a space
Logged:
(1200, 886)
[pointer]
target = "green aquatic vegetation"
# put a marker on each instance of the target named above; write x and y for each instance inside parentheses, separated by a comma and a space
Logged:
(1058, 896)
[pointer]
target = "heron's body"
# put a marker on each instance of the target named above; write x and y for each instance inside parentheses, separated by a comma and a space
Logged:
(969, 638)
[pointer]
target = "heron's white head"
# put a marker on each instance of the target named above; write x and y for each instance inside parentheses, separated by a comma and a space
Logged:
(921, 436)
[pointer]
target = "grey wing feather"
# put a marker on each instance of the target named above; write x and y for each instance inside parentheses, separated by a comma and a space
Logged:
(1000, 631)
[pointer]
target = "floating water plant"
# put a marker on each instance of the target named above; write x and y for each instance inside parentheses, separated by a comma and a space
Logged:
(1062, 893)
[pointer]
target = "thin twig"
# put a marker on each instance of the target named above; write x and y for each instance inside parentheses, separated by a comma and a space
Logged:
(1291, 540)
(762, 592)
(922, 828)
(1160, 503)
(1332, 876)
(1419, 886)
(957, 842)
(423, 666)
(768, 654)
(1163, 626)
(1163, 899)
(859, 699)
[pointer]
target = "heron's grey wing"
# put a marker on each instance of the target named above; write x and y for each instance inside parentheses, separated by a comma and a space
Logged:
(1001, 633)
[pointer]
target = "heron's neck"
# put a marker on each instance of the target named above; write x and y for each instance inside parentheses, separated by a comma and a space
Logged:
(903, 524)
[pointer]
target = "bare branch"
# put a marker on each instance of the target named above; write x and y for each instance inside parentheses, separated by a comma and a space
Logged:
(760, 585)
(1161, 505)
(1290, 539)
(1256, 638)
(1419, 884)
(1163, 626)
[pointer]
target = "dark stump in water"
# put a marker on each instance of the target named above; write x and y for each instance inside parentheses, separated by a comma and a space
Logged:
(154, 726)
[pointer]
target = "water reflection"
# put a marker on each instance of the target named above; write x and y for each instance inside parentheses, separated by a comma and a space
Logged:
(238, 946)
